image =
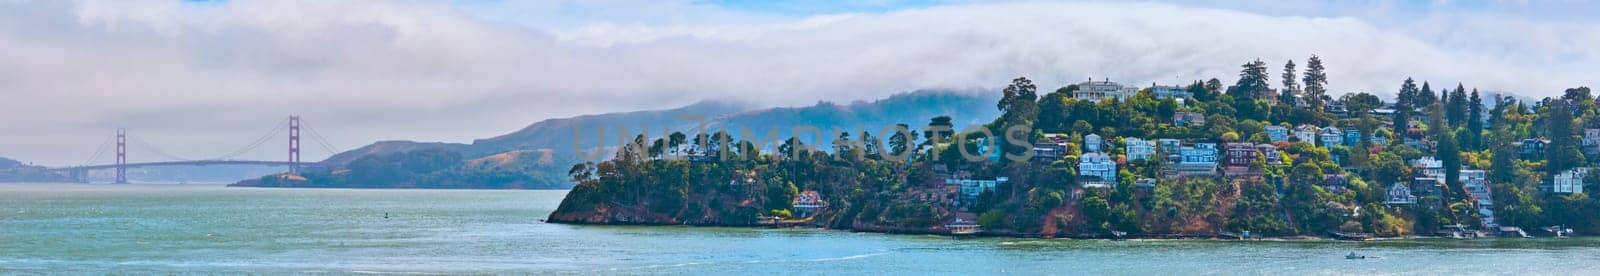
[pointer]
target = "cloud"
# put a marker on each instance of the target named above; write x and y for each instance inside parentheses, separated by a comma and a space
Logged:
(204, 79)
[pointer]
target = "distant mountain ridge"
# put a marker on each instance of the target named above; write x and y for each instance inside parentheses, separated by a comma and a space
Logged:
(17, 171)
(557, 135)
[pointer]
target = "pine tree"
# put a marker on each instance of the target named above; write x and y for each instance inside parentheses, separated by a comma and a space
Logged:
(1214, 86)
(1289, 86)
(1252, 80)
(1456, 108)
(1315, 81)
(1447, 150)
(1474, 131)
(1404, 106)
(1424, 98)
(1502, 150)
(1562, 153)
(1289, 76)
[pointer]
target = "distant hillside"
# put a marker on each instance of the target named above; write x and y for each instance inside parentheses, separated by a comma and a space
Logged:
(556, 135)
(537, 156)
(913, 109)
(383, 147)
(7, 163)
(16, 171)
(429, 168)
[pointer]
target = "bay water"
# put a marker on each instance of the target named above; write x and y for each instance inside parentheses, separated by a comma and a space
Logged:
(56, 228)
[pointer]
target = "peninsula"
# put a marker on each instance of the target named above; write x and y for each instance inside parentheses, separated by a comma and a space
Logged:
(1106, 159)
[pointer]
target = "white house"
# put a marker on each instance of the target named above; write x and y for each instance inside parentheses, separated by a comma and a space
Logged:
(1139, 149)
(808, 202)
(1306, 133)
(1569, 181)
(1188, 118)
(1399, 194)
(1429, 166)
(1097, 170)
(1200, 159)
(1092, 143)
(1476, 183)
(1101, 90)
(970, 188)
(1179, 93)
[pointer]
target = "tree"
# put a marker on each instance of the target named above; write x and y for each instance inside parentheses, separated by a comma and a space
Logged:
(1289, 76)
(1447, 151)
(1424, 98)
(1361, 104)
(900, 142)
(1252, 80)
(1457, 107)
(1053, 111)
(581, 172)
(1474, 131)
(1018, 103)
(1214, 87)
(1315, 82)
(1404, 105)
(1503, 151)
(1450, 156)
(675, 140)
(1289, 85)
(1562, 153)
(940, 129)
(1020, 107)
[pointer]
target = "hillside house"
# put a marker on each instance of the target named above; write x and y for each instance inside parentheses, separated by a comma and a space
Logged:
(1277, 133)
(1097, 170)
(1138, 149)
(1093, 143)
(1399, 194)
(1330, 136)
(1188, 119)
(808, 202)
(1569, 181)
(1096, 91)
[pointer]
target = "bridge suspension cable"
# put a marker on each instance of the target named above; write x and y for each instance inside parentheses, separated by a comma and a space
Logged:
(156, 150)
(257, 143)
(99, 151)
(317, 137)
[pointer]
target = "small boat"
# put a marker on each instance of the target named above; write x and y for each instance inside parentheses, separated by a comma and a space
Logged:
(1353, 256)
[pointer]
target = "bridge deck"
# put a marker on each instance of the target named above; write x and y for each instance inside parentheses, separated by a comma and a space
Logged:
(189, 163)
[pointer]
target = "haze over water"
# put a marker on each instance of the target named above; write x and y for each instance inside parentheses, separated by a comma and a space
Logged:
(76, 228)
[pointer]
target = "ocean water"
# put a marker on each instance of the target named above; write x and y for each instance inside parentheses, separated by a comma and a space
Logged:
(209, 229)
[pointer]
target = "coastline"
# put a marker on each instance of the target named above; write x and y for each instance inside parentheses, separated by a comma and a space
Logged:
(997, 234)
(1015, 235)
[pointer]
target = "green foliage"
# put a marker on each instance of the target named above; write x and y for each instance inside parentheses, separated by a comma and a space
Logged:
(863, 188)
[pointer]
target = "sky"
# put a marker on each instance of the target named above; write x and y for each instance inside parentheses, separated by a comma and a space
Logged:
(200, 79)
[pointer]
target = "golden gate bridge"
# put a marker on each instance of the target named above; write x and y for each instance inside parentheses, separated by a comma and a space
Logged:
(293, 125)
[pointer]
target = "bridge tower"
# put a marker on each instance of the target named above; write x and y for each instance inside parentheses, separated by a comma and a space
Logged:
(294, 144)
(122, 156)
